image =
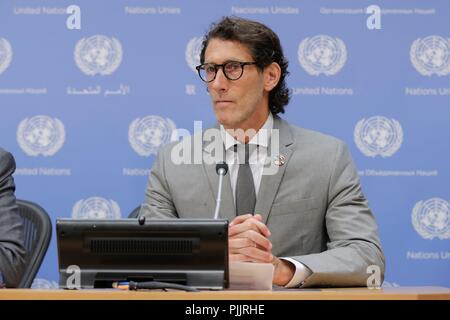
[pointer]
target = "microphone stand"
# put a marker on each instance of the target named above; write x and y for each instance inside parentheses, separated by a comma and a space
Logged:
(221, 170)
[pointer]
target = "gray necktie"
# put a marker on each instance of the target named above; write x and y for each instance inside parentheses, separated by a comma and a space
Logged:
(245, 187)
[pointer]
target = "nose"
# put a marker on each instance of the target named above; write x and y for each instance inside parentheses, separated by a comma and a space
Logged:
(220, 83)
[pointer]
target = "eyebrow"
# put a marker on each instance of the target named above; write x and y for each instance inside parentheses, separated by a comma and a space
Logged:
(225, 61)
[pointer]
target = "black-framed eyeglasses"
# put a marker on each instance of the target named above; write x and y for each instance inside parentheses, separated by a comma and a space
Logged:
(232, 70)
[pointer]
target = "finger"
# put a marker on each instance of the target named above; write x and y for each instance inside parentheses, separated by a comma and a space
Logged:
(240, 250)
(239, 243)
(258, 239)
(249, 239)
(258, 216)
(256, 254)
(240, 219)
(249, 224)
(238, 257)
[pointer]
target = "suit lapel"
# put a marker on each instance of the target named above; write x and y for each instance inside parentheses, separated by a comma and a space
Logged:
(270, 183)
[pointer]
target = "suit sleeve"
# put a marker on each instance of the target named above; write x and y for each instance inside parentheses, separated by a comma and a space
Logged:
(158, 200)
(11, 228)
(353, 244)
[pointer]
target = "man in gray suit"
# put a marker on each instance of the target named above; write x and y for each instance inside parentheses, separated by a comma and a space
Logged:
(308, 217)
(11, 229)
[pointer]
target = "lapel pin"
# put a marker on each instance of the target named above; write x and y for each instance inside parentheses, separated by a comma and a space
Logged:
(280, 160)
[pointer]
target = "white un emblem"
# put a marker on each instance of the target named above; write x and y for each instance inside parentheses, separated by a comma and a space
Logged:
(431, 218)
(431, 55)
(5, 54)
(98, 55)
(193, 50)
(322, 54)
(378, 136)
(148, 134)
(41, 135)
(96, 208)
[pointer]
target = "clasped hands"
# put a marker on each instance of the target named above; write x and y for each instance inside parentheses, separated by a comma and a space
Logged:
(248, 241)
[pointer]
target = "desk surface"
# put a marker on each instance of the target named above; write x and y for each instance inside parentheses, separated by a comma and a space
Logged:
(400, 293)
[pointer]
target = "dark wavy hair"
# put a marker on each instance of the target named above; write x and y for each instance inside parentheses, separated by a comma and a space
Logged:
(264, 46)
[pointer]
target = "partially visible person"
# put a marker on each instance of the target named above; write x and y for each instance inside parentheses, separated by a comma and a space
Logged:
(12, 250)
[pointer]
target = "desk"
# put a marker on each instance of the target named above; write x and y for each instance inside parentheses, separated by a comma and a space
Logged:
(401, 293)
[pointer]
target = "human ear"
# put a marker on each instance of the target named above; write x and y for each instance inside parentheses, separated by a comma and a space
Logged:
(272, 74)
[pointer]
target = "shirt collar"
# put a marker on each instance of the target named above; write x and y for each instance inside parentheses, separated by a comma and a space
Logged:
(261, 138)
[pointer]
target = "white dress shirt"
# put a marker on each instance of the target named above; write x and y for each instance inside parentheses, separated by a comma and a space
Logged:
(257, 158)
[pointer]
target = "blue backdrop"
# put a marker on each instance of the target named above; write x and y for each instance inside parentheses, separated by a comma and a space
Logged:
(84, 111)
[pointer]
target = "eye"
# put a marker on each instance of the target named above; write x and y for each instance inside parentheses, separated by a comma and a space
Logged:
(210, 68)
(232, 66)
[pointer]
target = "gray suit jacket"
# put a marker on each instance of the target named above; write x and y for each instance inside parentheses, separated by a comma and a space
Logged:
(313, 206)
(11, 229)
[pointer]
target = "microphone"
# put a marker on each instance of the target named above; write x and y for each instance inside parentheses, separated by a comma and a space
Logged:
(221, 170)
